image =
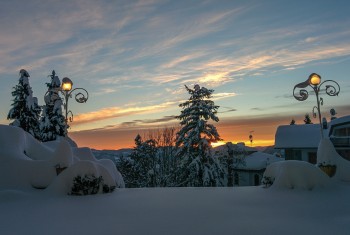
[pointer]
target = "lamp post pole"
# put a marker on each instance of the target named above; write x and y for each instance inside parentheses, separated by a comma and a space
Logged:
(66, 97)
(66, 89)
(332, 88)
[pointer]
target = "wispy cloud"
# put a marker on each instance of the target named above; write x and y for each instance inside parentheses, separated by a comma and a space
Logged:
(149, 122)
(133, 109)
(114, 112)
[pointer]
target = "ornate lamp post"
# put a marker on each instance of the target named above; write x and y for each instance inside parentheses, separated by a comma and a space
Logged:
(332, 88)
(66, 90)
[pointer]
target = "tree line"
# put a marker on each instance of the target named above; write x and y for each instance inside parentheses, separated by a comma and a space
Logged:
(183, 157)
(172, 157)
(44, 122)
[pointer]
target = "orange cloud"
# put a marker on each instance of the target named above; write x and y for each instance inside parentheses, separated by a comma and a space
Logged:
(114, 112)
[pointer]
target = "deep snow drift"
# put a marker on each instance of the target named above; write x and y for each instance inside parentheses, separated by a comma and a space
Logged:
(186, 211)
(301, 200)
(26, 163)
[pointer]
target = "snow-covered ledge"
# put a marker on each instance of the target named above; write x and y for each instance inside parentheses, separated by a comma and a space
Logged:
(26, 163)
(303, 175)
(326, 154)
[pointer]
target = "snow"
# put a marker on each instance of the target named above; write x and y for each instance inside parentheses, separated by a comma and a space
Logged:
(241, 210)
(339, 121)
(258, 161)
(302, 199)
(298, 136)
(26, 163)
(296, 175)
(326, 154)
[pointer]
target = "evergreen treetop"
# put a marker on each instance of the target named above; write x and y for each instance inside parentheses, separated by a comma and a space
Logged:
(196, 134)
(307, 119)
(25, 110)
(53, 123)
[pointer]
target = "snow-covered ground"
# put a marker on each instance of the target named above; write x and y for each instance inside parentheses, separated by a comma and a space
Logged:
(240, 210)
(302, 199)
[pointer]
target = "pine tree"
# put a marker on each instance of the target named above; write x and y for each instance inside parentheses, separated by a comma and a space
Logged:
(198, 167)
(25, 110)
(53, 123)
(292, 122)
(234, 157)
(307, 119)
(140, 164)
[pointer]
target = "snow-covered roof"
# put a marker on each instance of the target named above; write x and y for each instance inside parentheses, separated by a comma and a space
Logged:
(298, 136)
(337, 122)
(258, 161)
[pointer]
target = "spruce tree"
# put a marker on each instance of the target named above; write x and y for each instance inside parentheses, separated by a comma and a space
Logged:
(198, 167)
(25, 110)
(53, 123)
(307, 119)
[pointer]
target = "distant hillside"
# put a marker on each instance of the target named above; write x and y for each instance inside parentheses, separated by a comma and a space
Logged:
(110, 154)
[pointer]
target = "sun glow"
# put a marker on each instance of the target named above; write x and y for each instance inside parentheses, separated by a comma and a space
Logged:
(219, 143)
(255, 143)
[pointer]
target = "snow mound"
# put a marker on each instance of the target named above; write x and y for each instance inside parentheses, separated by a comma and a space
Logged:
(295, 175)
(26, 163)
(63, 183)
(326, 154)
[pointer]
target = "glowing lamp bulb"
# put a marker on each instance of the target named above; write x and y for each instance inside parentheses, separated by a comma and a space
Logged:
(315, 79)
(67, 84)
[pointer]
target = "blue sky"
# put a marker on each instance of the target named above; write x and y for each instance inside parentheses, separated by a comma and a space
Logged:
(134, 58)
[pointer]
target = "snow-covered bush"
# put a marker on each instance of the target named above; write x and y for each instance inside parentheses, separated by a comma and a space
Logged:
(294, 174)
(267, 181)
(26, 163)
(90, 184)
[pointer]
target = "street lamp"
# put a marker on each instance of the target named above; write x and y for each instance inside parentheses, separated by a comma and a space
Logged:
(66, 90)
(332, 88)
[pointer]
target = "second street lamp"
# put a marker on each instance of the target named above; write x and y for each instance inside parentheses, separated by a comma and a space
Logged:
(332, 88)
(67, 91)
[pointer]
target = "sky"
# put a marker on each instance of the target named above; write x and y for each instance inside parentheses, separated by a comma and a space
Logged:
(135, 57)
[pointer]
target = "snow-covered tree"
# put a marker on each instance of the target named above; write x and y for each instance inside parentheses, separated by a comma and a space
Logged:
(153, 162)
(307, 119)
(231, 159)
(25, 110)
(53, 123)
(137, 169)
(292, 122)
(198, 167)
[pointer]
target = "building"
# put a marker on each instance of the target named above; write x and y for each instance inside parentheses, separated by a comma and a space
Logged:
(300, 142)
(251, 173)
(339, 134)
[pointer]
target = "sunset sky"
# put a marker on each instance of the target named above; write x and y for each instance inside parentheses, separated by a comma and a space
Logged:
(134, 58)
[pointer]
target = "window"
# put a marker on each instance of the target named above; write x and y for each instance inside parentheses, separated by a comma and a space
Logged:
(293, 154)
(312, 157)
(236, 178)
(341, 132)
(256, 180)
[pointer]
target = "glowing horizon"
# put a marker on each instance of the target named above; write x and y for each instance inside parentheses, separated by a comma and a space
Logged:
(134, 58)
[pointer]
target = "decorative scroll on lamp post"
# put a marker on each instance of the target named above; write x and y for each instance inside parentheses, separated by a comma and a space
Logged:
(81, 97)
(332, 88)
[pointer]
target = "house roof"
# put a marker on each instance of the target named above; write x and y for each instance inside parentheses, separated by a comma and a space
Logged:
(258, 161)
(297, 136)
(338, 122)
